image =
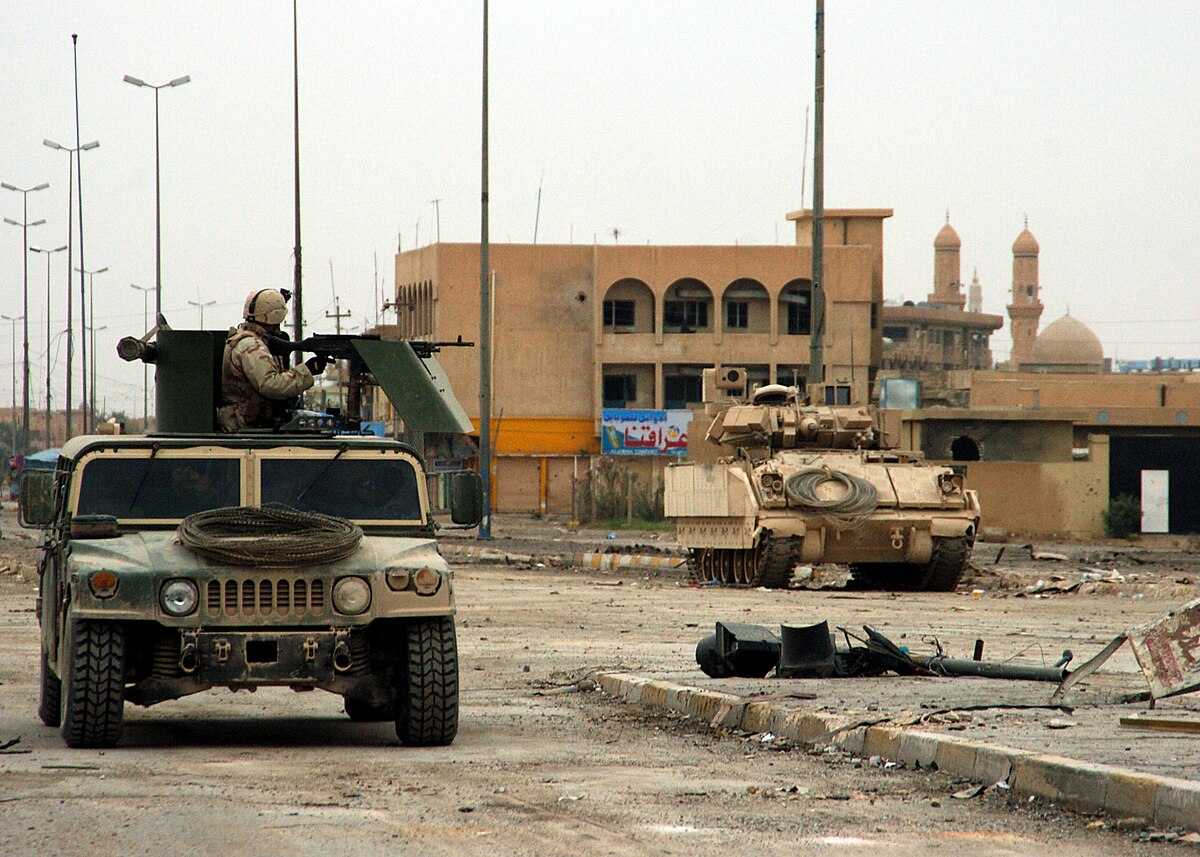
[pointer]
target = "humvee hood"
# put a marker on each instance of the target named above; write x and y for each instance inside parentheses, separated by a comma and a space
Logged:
(160, 551)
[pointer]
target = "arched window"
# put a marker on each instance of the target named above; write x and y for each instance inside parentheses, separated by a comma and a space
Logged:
(628, 307)
(687, 307)
(795, 308)
(745, 307)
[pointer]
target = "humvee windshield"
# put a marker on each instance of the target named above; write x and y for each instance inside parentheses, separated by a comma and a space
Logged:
(361, 489)
(158, 487)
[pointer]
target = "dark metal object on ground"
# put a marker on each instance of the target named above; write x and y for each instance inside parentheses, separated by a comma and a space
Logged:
(738, 649)
(940, 665)
(247, 535)
(807, 652)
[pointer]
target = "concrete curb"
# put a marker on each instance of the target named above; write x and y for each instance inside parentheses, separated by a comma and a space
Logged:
(1082, 786)
(590, 559)
(624, 560)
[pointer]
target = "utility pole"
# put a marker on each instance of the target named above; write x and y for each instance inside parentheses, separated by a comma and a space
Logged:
(337, 315)
(12, 417)
(47, 252)
(297, 290)
(201, 305)
(485, 313)
(437, 217)
(816, 360)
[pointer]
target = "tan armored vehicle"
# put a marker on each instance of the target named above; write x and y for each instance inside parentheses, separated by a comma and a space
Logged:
(814, 483)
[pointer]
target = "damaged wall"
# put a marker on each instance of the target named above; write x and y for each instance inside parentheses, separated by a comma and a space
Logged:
(1036, 498)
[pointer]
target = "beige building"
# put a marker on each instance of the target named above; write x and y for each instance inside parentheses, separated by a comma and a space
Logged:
(577, 328)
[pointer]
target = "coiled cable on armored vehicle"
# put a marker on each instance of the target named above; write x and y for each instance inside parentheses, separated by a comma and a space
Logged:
(273, 536)
(843, 512)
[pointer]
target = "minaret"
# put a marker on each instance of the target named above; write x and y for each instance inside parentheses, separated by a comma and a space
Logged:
(975, 294)
(947, 288)
(1026, 307)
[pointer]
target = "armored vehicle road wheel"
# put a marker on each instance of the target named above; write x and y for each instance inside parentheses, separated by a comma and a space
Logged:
(427, 698)
(51, 696)
(769, 563)
(365, 711)
(945, 568)
(941, 574)
(93, 685)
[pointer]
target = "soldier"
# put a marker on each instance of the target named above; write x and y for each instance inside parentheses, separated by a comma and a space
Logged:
(253, 380)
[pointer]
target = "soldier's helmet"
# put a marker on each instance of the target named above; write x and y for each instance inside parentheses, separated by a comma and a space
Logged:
(266, 306)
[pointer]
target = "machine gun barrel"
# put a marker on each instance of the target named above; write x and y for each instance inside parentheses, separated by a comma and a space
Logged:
(340, 346)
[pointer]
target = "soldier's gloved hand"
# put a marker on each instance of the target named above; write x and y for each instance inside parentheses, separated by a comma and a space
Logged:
(316, 364)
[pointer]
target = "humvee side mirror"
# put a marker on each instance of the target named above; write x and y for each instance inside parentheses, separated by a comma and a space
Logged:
(36, 498)
(466, 498)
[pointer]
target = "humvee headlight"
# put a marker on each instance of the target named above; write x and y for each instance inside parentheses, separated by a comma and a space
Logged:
(179, 597)
(427, 581)
(351, 595)
(398, 579)
(103, 584)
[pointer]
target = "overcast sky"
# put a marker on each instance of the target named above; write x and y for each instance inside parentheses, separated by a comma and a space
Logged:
(675, 122)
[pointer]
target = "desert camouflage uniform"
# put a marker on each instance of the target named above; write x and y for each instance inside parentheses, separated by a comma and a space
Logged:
(252, 378)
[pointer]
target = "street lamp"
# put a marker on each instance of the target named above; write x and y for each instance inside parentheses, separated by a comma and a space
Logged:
(145, 290)
(12, 417)
(25, 224)
(70, 310)
(201, 306)
(179, 81)
(89, 404)
(47, 253)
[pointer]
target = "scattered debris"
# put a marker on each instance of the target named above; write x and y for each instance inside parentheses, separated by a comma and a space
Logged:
(1161, 724)
(1060, 723)
(1168, 651)
(967, 794)
(1036, 554)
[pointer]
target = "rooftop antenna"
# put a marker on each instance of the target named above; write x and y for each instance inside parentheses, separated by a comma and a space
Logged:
(538, 214)
(376, 255)
(804, 159)
(616, 233)
(437, 216)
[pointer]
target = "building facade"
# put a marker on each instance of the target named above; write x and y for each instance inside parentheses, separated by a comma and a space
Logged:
(577, 328)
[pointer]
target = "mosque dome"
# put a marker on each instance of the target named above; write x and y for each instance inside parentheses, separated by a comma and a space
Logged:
(947, 239)
(1067, 342)
(1026, 244)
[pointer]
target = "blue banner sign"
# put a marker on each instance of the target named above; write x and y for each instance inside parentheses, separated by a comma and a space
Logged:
(624, 432)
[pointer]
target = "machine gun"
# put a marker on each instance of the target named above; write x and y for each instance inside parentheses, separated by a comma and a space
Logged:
(342, 346)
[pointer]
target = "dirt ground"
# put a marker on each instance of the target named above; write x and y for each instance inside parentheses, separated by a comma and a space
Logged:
(542, 767)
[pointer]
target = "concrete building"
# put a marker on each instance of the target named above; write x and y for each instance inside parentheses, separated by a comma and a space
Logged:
(577, 328)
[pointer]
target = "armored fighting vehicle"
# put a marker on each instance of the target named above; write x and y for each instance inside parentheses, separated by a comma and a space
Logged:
(801, 482)
(304, 556)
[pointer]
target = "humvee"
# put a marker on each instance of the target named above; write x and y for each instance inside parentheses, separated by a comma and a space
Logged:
(128, 613)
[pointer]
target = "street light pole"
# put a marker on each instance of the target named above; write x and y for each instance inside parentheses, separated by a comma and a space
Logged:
(87, 311)
(70, 308)
(12, 418)
(25, 224)
(47, 253)
(179, 81)
(145, 290)
(201, 307)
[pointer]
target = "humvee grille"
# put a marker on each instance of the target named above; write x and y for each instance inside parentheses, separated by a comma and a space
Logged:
(264, 597)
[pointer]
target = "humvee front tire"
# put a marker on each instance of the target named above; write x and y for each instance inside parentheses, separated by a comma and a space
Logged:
(51, 696)
(427, 696)
(92, 697)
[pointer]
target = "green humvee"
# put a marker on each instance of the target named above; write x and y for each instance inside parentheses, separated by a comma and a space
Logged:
(129, 614)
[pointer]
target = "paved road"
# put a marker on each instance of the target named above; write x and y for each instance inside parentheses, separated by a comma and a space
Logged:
(537, 768)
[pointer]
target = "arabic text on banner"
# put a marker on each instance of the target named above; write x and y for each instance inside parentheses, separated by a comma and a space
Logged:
(626, 432)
